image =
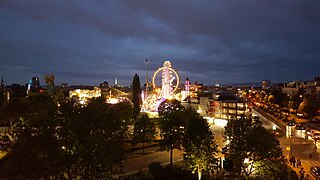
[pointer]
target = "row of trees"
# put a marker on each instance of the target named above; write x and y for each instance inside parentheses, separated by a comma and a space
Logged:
(69, 141)
(308, 104)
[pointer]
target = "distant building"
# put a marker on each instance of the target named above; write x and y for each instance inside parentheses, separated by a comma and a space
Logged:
(104, 85)
(187, 86)
(203, 106)
(229, 106)
(3, 93)
(2, 84)
(64, 85)
(310, 87)
(33, 85)
(49, 79)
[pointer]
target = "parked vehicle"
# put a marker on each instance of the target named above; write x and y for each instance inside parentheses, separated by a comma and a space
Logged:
(315, 171)
(315, 134)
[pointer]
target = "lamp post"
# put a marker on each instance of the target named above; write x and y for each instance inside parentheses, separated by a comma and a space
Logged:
(146, 94)
(291, 125)
(289, 104)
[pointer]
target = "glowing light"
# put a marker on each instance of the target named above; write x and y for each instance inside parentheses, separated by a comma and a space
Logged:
(167, 79)
(274, 127)
(169, 85)
(220, 122)
(113, 100)
(83, 95)
(227, 141)
(209, 119)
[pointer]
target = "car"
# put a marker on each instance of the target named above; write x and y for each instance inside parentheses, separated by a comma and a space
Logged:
(300, 126)
(315, 171)
(315, 134)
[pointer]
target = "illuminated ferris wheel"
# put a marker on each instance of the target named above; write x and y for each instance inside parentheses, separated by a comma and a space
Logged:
(169, 80)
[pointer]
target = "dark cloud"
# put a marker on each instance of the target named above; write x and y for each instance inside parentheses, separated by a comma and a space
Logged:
(86, 42)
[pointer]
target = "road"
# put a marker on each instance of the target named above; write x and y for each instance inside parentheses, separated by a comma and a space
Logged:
(137, 161)
(265, 122)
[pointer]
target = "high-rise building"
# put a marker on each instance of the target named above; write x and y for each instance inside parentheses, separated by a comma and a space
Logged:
(104, 85)
(187, 85)
(34, 85)
(49, 79)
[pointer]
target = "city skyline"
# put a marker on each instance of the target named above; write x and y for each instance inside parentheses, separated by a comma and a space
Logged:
(89, 42)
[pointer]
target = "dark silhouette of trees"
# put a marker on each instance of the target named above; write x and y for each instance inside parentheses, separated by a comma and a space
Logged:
(144, 131)
(136, 96)
(33, 147)
(310, 106)
(171, 125)
(252, 148)
(276, 96)
(297, 99)
(72, 142)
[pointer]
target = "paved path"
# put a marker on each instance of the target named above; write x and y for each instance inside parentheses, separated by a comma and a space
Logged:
(138, 161)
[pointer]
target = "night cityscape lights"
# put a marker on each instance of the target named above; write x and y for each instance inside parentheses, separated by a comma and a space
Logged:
(169, 85)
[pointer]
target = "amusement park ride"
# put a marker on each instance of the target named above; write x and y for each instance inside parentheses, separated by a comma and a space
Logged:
(169, 85)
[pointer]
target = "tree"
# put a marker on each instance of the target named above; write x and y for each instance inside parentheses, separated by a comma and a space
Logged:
(264, 155)
(253, 149)
(33, 141)
(58, 95)
(93, 138)
(144, 131)
(199, 144)
(136, 95)
(74, 142)
(278, 97)
(171, 124)
(12, 111)
(297, 99)
(235, 132)
(310, 106)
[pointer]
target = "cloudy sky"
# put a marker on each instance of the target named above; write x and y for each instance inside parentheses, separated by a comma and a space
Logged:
(226, 41)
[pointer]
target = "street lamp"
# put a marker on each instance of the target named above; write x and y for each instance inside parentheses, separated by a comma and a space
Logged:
(290, 130)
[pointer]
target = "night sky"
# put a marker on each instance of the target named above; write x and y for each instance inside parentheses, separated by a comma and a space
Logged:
(226, 41)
